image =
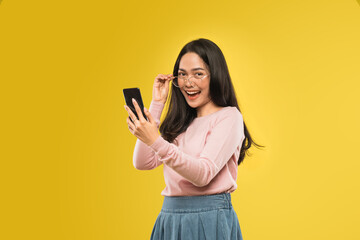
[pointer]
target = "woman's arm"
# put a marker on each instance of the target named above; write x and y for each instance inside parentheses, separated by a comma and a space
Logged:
(144, 157)
(224, 140)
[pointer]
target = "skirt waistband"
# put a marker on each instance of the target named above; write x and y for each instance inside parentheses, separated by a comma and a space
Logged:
(196, 203)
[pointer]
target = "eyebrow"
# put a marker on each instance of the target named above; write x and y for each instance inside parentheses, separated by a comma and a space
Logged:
(194, 69)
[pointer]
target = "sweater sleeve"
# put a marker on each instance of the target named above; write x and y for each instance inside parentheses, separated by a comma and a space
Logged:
(144, 157)
(224, 139)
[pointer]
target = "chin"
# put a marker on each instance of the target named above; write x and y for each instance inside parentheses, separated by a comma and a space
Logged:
(192, 105)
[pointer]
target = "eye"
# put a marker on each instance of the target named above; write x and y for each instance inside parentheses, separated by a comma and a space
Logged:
(199, 75)
(181, 74)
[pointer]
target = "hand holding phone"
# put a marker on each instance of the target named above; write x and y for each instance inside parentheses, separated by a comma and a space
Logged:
(146, 131)
(129, 94)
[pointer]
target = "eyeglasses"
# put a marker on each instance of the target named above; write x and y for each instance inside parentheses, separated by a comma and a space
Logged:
(181, 79)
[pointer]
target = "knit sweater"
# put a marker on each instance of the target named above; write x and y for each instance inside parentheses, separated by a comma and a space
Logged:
(202, 160)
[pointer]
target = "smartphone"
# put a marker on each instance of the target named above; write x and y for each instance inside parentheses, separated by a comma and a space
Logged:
(129, 94)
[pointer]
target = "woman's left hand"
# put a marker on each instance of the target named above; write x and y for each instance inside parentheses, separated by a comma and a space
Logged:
(146, 131)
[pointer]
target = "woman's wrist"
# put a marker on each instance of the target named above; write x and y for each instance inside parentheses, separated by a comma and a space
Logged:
(151, 141)
(159, 101)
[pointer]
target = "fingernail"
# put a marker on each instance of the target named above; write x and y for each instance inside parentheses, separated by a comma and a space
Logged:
(133, 100)
(125, 107)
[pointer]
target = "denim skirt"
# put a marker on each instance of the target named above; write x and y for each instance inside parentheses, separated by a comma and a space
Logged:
(208, 217)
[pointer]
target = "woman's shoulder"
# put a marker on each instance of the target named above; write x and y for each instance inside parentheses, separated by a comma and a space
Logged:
(227, 119)
(228, 112)
(231, 110)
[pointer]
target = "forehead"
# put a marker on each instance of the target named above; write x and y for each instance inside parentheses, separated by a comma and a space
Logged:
(191, 61)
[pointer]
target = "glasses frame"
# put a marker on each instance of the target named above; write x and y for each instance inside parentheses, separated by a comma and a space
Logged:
(187, 79)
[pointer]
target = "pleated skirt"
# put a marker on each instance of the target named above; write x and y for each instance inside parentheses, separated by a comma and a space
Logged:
(209, 217)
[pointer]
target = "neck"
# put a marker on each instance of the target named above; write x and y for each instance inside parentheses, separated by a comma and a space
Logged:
(207, 109)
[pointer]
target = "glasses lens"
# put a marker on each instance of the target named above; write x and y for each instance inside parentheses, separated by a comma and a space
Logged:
(175, 82)
(193, 80)
(199, 76)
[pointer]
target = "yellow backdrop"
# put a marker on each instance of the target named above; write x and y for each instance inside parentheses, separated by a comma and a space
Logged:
(66, 152)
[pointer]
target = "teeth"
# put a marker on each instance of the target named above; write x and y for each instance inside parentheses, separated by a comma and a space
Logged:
(191, 93)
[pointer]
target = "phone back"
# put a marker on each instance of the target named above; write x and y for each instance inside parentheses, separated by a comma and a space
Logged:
(129, 94)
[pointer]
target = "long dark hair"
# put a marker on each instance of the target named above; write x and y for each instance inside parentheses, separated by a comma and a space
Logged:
(222, 93)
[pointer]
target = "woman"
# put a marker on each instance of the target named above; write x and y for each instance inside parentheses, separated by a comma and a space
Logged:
(202, 142)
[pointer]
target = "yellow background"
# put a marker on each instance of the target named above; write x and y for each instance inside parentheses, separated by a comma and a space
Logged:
(66, 153)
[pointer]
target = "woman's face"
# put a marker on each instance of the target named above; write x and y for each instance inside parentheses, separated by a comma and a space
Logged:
(197, 95)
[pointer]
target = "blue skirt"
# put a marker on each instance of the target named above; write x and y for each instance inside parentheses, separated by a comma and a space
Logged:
(209, 217)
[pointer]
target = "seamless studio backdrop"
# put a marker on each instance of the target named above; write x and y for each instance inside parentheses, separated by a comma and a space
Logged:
(66, 152)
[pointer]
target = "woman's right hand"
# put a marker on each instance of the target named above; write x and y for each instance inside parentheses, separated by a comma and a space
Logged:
(161, 87)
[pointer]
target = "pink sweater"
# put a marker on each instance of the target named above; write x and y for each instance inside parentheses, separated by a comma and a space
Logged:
(202, 160)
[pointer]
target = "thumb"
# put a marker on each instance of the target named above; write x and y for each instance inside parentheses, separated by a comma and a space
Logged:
(166, 86)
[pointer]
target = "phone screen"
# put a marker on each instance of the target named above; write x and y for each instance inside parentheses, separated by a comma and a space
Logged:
(130, 93)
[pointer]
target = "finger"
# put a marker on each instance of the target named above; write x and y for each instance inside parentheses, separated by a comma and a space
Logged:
(172, 77)
(131, 114)
(167, 83)
(130, 125)
(169, 77)
(149, 116)
(164, 76)
(160, 77)
(128, 121)
(138, 110)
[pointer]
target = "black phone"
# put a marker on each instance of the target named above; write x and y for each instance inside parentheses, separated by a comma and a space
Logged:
(129, 94)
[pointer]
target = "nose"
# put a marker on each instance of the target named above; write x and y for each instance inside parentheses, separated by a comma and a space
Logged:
(188, 82)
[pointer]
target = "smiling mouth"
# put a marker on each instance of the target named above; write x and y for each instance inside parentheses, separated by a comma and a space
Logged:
(192, 94)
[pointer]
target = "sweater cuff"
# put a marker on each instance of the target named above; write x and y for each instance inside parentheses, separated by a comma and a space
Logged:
(160, 147)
